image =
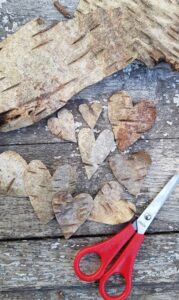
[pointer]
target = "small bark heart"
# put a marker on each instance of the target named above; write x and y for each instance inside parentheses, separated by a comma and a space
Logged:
(63, 126)
(131, 170)
(71, 212)
(94, 152)
(109, 208)
(129, 121)
(91, 113)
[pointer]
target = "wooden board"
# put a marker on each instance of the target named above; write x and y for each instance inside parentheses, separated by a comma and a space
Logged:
(49, 263)
(34, 269)
(164, 292)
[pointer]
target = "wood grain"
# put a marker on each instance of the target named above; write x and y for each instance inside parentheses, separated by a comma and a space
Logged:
(144, 292)
(41, 263)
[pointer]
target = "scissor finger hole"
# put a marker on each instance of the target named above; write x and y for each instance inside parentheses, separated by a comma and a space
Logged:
(115, 285)
(90, 263)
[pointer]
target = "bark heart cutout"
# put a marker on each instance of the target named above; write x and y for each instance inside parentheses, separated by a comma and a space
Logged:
(12, 168)
(71, 212)
(129, 121)
(94, 152)
(130, 170)
(91, 113)
(41, 186)
(63, 126)
(37, 179)
(108, 206)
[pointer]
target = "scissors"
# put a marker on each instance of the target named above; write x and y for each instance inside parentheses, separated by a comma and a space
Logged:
(128, 241)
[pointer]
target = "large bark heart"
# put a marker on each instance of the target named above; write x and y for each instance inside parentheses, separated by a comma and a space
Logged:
(41, 186)
(109, 208)
(12, 168)
(71, 212)
(91, 113)
(130, 170)
(129, 122)
(94, 152)
(63, 126)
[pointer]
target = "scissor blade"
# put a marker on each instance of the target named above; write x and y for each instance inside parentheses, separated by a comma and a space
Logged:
(146, 218)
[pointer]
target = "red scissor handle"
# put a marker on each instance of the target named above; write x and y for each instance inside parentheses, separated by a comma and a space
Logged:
(107, 250)
(123, 266)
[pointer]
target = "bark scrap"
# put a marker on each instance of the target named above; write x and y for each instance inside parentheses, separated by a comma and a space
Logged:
(61, 9)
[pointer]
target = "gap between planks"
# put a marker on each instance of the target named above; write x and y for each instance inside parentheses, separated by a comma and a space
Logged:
(67, 143)
(76, 237)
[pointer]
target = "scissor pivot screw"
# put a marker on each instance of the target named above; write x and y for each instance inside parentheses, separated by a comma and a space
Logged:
(148, 217)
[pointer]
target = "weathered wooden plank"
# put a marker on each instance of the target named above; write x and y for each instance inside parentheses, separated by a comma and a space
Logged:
(14, 14)
(49, 263)
(18, 219)
(159, 84)
(154, 292)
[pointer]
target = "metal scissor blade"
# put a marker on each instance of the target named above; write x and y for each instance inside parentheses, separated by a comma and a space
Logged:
(146, 218)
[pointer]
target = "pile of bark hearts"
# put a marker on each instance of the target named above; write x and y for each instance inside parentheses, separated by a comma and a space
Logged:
(54, 196)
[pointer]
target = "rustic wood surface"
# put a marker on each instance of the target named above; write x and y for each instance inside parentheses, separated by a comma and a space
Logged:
(34, 269)
(28, 265)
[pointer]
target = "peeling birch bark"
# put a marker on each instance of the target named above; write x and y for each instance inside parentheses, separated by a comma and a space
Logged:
(151, 26)
(56, 63)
